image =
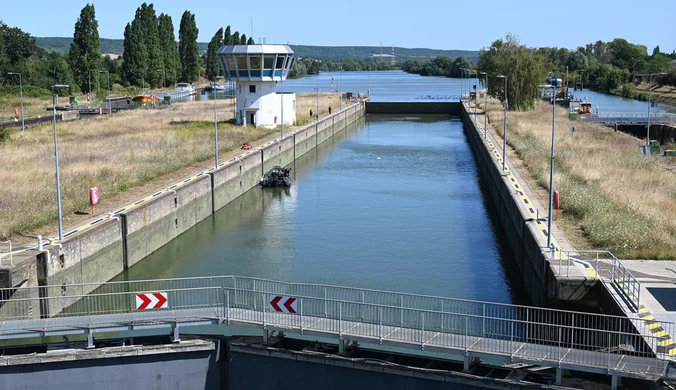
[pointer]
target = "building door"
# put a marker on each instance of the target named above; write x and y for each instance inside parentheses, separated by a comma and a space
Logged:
(252, 118)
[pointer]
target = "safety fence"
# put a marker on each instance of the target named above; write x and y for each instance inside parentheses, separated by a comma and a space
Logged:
(529, 333)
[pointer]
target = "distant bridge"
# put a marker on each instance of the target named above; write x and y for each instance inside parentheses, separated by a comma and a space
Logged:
(612, 118)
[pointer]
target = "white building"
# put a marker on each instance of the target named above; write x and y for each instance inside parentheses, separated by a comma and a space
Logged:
(257, 69)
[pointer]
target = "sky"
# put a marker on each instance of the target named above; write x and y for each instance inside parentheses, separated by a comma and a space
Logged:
(436, 24)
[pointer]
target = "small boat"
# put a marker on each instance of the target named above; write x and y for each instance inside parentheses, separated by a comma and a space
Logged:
(185, 89)
(277, 177)
(219, 87)
(146, 98)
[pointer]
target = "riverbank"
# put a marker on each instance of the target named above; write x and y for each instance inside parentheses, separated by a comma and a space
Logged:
(125, 155)
(612, 197)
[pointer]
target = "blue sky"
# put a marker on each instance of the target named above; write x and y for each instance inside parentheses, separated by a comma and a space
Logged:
(438, 24)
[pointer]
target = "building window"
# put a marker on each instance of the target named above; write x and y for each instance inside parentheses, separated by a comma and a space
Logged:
(252, 89)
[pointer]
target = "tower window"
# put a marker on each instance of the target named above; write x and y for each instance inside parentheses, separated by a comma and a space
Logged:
(252, 89)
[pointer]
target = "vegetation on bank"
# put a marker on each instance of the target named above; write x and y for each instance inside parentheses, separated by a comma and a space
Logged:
(118, 154)
(613, 198)
(440, 66)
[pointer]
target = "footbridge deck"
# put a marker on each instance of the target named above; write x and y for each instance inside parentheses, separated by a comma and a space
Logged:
(508, 333)
(613, 118)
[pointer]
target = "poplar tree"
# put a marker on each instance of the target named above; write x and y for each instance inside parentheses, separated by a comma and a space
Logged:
(84, 52)
(235, 38)
(242, 40)
(169, 48)
(213, 67)
(134, 54)
(227, 38)
(188, 49)
(154, 67)
(250, 41)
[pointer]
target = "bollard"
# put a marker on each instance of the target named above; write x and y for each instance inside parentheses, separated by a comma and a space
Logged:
(39, 242)
(553, 251)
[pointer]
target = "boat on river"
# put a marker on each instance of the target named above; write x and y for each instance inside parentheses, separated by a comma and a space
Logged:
(276, 177)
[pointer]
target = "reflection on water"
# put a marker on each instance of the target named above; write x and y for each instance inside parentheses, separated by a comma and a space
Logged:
(393, 203)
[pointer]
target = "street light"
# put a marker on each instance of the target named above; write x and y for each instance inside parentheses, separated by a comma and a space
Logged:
(650, 95)
(504, 121)
(551, 168)
(215, 119)
(317, 96)
(108, 93)
(486, 105)
(23, 123)
(90, 86)
(56, 159)
(341, 89)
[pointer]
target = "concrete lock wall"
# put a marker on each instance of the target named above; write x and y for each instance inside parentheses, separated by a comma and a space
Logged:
(188, 365)
(544, 286)
(98, 253)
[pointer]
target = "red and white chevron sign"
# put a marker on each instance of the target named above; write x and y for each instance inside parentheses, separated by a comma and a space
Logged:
(283, 304)
(156, 300)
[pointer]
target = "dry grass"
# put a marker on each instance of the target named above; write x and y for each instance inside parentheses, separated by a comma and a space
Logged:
(115, 153)
(620, 200)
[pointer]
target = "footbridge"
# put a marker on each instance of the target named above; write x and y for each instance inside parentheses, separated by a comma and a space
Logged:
(612, 118)
(584, 342)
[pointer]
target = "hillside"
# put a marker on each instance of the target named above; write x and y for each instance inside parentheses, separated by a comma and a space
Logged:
(324, 53)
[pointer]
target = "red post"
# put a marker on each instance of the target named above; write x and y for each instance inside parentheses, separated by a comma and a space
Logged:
(93, 197)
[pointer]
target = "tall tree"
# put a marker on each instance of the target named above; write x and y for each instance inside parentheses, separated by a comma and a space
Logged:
(242, 40)
(84, 52)
(135, 55)
(154, 68)
(525, 68)
(235, 38)
(15, 45)
(172, 62)
(250, 41)
(212, 65)
(227, 38)
(188, 49)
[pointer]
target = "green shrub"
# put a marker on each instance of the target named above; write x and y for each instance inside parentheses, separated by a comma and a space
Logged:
(5, 134)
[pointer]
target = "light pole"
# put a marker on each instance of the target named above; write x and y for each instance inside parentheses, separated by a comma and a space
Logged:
(486, 104)
(56, 159)
(23, 123)
(341, 89)
(216, 121)
(462, 82)
(107, 93)
(281, 83)
(650, 95)
(90, 82)
(317, 96)
(551, 168)
(504, 121)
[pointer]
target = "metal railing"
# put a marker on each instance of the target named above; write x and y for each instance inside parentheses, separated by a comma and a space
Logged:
(528, 333)
(612, 117)
(609, 268)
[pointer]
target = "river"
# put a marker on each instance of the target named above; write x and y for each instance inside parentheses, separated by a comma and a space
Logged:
(396, 205)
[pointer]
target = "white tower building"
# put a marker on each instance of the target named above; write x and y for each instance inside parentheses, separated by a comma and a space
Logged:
(257, 69)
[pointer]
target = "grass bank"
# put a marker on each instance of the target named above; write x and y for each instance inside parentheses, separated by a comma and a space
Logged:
(613, 198)
(119, 154)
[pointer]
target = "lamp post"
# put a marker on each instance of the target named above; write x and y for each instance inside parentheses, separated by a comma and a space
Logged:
(462, 82)
(504, 121)
(650, 95)
(90, 86)
(216, 122)
(56, 159)
(486, 105)
(551, 168)
(282, 95)
(107, 93)
(341, 89)
(23, 123)
(317, 96)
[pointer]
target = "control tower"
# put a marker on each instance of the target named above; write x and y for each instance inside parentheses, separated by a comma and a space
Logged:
(257, 69)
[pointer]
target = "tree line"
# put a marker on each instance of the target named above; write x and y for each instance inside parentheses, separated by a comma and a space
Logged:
(309, 66)
(610, 66)
(152, 57)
